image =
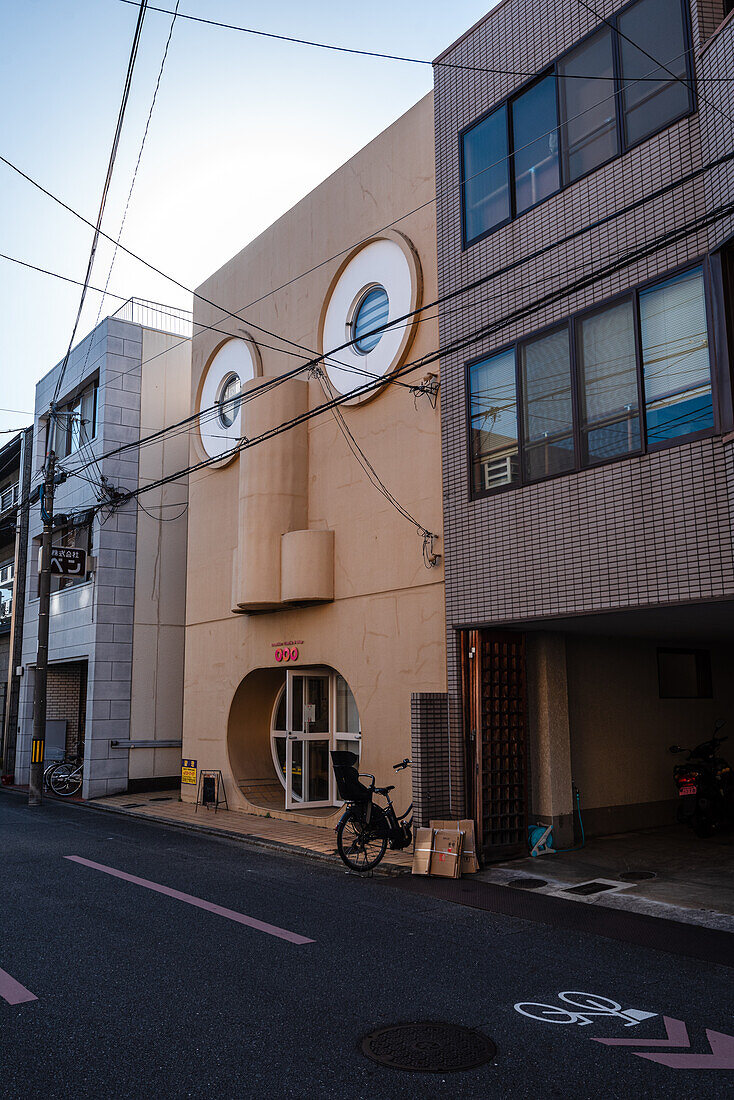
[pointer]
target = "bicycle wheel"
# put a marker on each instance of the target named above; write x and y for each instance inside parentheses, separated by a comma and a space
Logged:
(65, 780)
(359, 848)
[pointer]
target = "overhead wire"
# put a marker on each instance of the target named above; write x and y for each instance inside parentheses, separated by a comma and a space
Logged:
(437, 63)
(105, 189)
(132, 182)
(620, 262)
(211, 411)
(237, 315)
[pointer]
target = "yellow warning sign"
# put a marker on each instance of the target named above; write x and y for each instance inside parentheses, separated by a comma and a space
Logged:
(188, 771)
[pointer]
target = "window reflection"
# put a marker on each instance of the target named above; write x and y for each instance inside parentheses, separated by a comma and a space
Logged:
(535, 139)
(675, 358)
(486, 190)
(610, 419)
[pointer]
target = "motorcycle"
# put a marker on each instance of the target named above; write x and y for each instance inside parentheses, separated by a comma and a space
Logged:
(705, 786)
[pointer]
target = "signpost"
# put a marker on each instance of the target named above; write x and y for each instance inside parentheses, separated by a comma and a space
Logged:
(68, 561)
(188, 771)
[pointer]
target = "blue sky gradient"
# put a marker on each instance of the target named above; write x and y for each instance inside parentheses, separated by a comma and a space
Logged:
(243, 128)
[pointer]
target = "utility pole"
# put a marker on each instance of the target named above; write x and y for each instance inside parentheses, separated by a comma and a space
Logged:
(35, 786)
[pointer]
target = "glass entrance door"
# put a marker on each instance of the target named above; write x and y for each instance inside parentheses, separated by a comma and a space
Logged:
(307, 766)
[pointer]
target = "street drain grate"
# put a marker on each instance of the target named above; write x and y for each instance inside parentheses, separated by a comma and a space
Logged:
(637, 876)
(586, 888)
(428, 1047)
(528, 883)
(162, 798)
(131, 805)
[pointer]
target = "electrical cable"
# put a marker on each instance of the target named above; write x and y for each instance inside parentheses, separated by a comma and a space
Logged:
(620, 262)
(105, 189)
(502, 322)
(370, 470)
(237, 316)
(132, 183)
(687, 82)
(211, 411)
(368, 53)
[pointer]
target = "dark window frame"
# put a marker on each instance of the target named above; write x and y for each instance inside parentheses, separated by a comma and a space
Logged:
(621, 144)
(462, 185)
(63, 427)
(572, 324)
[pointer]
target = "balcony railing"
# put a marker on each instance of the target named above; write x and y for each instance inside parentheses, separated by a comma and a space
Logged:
(178, 322)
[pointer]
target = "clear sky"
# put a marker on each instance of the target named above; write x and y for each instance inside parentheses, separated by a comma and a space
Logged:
(243, 127)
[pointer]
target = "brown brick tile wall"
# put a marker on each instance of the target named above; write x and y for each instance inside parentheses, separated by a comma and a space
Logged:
(66, 699)
(647, 530)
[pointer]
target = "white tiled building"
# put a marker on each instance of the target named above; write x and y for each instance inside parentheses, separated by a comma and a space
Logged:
(116, 633)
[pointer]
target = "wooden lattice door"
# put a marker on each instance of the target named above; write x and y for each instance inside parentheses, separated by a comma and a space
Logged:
(494, 692)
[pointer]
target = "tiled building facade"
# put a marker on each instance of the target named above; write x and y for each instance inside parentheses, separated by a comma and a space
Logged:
(608, 540)
(115, 633)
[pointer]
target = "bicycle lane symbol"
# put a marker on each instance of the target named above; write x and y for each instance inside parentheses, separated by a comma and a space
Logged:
(721, 1046)
(591, 1005)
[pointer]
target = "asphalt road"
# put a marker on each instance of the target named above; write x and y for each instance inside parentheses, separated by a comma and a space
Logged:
(142, 994)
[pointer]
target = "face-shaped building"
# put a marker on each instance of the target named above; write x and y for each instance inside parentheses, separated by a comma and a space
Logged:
(315, 603)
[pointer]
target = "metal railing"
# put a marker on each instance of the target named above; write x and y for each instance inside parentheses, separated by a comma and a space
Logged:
(178, 322)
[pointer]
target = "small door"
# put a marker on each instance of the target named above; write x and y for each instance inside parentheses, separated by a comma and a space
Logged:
(493, 674)
(307, 770)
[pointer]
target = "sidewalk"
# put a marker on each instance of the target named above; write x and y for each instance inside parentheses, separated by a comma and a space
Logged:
(163, 806)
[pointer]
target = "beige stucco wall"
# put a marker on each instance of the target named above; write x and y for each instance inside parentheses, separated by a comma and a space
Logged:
(621, 728)
(160, 573)
(384, 630)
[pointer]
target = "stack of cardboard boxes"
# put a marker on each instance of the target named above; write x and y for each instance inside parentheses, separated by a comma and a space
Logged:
(446, 849)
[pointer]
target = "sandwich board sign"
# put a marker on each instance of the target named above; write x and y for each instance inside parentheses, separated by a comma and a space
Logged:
(68, 561)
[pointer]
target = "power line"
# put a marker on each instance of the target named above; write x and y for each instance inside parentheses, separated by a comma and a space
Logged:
(105, 189)
(56, 275)
(670, 237)
(237, 315)
(140, 155)
(685, 81)
(371, 53)
(513, 265)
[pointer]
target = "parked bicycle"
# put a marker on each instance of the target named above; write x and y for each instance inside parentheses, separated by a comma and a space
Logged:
(65, 779)
(366, 828)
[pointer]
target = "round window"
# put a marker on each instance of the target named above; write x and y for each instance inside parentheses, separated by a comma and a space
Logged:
(230, 399)
(371, 314)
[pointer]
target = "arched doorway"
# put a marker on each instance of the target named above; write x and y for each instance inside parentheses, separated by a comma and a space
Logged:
(314, 712)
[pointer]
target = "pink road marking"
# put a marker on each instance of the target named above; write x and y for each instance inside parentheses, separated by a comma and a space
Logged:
(721, 1056)
(13, 992)
(677, 1037)
(209, 906)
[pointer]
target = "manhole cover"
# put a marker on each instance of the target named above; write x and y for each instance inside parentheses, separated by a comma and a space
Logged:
(637, 876)
(528, 883)
(585, 888)
(428, 1047)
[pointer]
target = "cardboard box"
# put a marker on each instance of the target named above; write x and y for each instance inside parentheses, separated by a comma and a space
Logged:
(422, 851)
(446, 856)
(469, 861)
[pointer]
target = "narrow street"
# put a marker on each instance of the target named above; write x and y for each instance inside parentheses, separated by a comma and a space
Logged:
(204, 967)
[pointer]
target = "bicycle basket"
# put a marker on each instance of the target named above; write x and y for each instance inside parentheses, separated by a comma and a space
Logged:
(347, 778)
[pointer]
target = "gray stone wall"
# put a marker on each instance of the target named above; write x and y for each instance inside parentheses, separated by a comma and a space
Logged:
(94, 621)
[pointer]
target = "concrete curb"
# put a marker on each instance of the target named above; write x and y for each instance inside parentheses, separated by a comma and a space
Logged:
(388, 870)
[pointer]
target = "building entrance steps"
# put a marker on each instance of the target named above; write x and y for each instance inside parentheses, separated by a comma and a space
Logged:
(645, 870)
(298, 836)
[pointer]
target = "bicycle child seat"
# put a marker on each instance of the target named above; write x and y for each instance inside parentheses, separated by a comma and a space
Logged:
(347, 777)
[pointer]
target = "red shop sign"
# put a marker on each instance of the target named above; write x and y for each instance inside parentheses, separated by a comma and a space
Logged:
(286, 653)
